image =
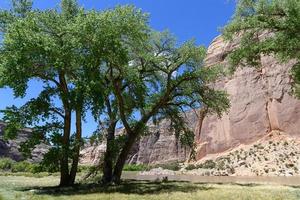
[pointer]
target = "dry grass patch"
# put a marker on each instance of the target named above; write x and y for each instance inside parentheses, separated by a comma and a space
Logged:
(44, 189)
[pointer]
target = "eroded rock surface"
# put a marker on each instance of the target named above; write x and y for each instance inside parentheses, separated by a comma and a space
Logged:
(10, 148)
(260, 103)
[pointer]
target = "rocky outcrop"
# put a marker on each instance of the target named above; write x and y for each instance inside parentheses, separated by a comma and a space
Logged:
(260, 102)
(91, 154)
(10, 148)
(159, 146)
(162, 146)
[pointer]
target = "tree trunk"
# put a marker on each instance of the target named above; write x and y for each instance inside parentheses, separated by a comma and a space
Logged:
(77, 147)
(122, 158)
(109, 154)
(64, 165)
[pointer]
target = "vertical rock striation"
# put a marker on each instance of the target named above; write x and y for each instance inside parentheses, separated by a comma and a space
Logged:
(260, 102)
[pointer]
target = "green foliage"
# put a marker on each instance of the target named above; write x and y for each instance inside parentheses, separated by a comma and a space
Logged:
(175, 166)
(109, 62)
(67, 50)
(268, 27)
(51, 161)
(208, 164)
(86, 168)
(21, 7)
(22, 166)
(9, 165)
(162, 81)
(6, 164)
(135, 167)
(191, 167)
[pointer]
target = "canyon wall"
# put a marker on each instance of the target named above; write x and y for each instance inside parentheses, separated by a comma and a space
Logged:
(261, 101)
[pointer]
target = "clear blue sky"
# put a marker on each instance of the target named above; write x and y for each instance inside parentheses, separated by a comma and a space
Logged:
(186, 19)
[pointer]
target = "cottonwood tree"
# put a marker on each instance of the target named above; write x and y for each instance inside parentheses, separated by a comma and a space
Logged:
(127, 32)
(279, 18)
(45, 45)
(160, 79)
(64, 50)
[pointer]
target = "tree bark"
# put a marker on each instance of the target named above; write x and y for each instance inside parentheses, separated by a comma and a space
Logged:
(109, 154)
(122, 158)
(64, 165)
(77, 146)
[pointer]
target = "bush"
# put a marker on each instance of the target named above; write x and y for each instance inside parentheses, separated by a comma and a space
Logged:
(170, 166)
(191, 167)
(6, 164)
(221, 165)
(135, 167)
(86, 168)
(209, 164)
(22, 166)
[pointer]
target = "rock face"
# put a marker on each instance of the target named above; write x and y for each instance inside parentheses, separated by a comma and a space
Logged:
(161, 146)
(92, 154)
(10, 148)
(260, 103)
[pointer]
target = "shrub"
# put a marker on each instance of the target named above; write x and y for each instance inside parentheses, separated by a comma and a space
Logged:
(22, 166)
(221, 165)
(85, 168)
(135, 167)
(209, 164)
(295, 169)
(191, 167)
(6, 164)
(289, 165)
(174, 166)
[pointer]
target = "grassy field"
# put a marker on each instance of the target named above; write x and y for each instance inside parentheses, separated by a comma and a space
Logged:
(23, 188)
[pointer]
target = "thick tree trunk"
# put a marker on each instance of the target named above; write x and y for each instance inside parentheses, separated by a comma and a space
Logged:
(77, 147)
(122, 158)
(109, 154)
(64, 165)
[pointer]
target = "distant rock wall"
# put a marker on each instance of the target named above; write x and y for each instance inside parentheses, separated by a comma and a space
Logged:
(10, 148)
(161, 146)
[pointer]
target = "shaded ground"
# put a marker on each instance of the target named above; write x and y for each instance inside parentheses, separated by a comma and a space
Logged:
(12, 187)
(270, 180)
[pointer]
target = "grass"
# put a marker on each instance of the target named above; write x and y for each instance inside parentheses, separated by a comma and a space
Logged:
(133, 167)
(18, 187)
(28, 174)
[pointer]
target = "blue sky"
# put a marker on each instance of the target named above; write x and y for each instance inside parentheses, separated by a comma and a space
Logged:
(186, 19)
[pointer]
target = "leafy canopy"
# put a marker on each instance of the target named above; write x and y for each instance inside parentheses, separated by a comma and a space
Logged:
(279, 21)
(64, 51)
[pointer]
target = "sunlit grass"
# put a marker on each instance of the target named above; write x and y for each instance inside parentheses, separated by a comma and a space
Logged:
(42, 189)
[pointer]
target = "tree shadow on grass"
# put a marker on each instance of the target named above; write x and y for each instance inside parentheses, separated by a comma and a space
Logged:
(126, 187)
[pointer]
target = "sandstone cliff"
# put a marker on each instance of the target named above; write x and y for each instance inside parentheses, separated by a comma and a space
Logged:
(260, 103)
(160, 146)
